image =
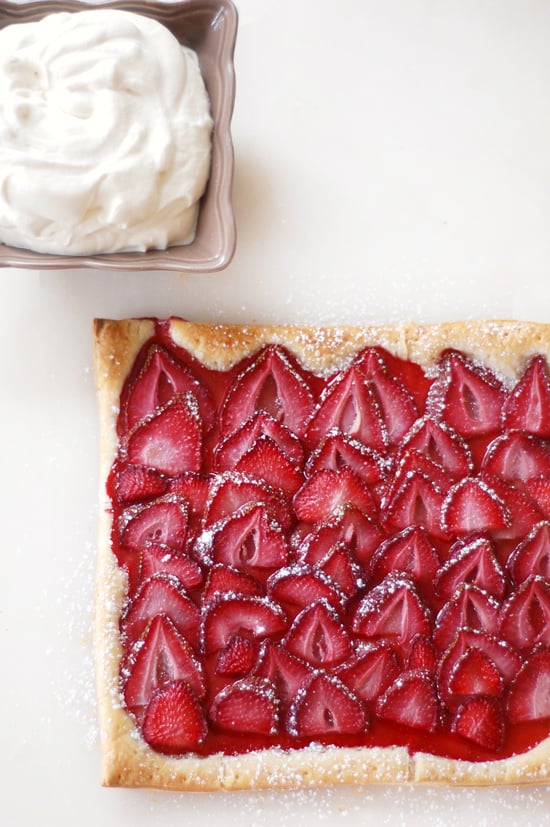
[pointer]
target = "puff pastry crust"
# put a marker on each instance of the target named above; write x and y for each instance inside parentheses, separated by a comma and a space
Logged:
(504, 346)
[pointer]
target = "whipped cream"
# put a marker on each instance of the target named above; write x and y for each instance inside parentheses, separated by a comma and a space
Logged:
(105, 134)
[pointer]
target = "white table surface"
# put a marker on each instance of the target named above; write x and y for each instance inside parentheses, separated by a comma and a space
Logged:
(393, 163)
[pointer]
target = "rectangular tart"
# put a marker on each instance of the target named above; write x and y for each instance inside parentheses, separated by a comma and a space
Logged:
(324, 554)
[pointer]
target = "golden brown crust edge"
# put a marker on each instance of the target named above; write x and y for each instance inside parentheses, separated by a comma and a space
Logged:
(505, 346)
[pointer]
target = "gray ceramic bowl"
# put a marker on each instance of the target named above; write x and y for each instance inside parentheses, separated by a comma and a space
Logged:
(209, 27)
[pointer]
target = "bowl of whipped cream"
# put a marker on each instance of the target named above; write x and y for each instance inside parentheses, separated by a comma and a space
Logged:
(115, 141)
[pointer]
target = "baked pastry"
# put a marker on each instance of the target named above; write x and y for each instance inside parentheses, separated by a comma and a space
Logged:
(324, 554)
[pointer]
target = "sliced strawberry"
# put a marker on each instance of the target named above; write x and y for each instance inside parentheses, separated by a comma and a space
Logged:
(134, 483)
(411, 700)
(238, 657)
(409, 551)
(372, 361)
(300, 585)
(529, 698)
(246, 539)
(265, 461)
(395, 403)
(470, 608)
(371, 672)
(160, 380)
(481, 720)
(360, 535)
(271, 384)
(161, 594)
(230, 491)
(392, 611)
(539, 491)
(169, 442)
(422, 655)
(517, 456)
(230, 450)
(325, 706)
(471, 561)
(156, 558)
(532, 554)
(251, 617)
(339, 451)
(522, 510)
(287, 673)
(327, 491)
(439, 443)
(408, 374)
(159, 657)
(474, 673)
(224, 580)
(528, 406)
(193, 488)
(248, 705)
(472, 505)
(342, 570)
(470, 397)
(130, 560)
(174, 722)
(318, 636)
(418, 502)
(349, 405)
(162, 522)
(526, 614)
(415, 462)
(506, 659)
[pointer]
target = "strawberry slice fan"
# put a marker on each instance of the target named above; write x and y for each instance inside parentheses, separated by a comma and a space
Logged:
(359, 559)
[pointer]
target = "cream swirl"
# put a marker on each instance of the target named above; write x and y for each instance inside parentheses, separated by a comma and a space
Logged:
(105, 132)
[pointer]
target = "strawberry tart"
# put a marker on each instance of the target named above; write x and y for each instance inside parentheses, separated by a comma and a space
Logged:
(324, 554)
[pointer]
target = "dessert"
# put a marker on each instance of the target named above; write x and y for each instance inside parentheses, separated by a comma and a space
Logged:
(105, 133)
(324, 554)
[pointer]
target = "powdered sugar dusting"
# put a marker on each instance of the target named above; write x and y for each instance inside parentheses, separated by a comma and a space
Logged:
(396, 806)
(75, 691)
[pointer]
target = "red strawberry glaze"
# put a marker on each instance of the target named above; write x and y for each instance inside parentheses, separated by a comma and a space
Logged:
(314, 554)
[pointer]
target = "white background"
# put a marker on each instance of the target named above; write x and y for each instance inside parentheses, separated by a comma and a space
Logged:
(392, 163)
